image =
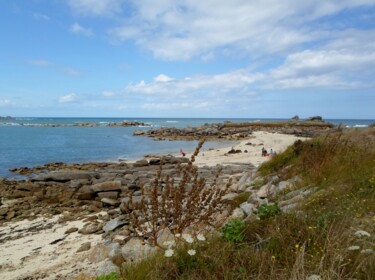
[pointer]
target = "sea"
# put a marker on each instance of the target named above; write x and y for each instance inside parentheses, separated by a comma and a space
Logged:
(27, 142)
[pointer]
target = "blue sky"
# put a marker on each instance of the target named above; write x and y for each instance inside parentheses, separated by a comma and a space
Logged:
(192, 58)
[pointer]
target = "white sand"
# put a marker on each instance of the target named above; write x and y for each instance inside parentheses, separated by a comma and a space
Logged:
(31, 254)
(275, 141)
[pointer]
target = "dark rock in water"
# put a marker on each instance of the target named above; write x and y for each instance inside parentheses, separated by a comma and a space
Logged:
(296, 118)
(21, 170)
(65, 176)
(315, 118)
(107, 186)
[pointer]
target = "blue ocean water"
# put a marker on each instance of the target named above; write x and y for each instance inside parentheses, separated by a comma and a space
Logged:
(24, 142)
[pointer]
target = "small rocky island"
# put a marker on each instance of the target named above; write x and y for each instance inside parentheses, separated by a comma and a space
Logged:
(6, 118)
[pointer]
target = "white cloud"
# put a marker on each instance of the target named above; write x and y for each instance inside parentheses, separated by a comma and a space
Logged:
(342, 63)
(79, 29)
(41, 62)
(69, 98)
(51, 65)
(163, 78)
(108, 94)
(193, 28)
(39, 16)
(240, 80)
(6, 102)
(96, 7)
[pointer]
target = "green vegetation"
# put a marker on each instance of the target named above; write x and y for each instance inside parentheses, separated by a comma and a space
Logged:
(267, 211)
(234, 230)
(319, 238)
(110, 276)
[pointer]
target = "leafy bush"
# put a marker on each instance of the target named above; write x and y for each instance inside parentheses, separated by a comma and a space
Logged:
(267, 211)
(110, 276)
(234, 230)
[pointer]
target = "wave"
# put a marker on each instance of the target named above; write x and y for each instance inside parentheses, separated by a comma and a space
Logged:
(9, 124)
(24, 119)
(357, 125)
(171, 121)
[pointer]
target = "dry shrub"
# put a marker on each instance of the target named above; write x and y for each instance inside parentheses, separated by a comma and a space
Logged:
(187, 204)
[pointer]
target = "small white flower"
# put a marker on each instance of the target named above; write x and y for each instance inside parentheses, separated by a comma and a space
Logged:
(314, 277)
(354, 248)
(191, 252)
(177, 235)
(188, 238)
(201, 237)
(169, 244)
(169, 253)
(362, 233)
(367, 251)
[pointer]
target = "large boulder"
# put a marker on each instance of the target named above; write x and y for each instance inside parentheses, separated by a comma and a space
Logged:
(247, 208)
(85, 193)
(108, 186)
(135, 249)
(141, 163)
(111, 195)
(165, 235)
(110, 202)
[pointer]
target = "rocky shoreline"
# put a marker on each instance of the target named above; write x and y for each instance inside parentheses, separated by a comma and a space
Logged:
(237, 131)
(83, 212)
(100, 196)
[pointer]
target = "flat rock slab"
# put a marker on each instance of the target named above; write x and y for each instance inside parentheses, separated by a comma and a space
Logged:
(113, 224)
(107, 186)
(65, 176)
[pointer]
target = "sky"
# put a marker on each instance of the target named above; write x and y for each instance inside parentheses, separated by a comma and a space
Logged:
(187, 58)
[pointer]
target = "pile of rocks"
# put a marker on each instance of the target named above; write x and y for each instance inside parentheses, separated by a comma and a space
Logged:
(81, 189)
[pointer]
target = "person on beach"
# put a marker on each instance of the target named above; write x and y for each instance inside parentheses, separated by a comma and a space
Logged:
(182, 152)
(264, 152)
(271, 152)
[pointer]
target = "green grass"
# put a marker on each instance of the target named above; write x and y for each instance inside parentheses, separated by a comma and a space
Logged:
(314, 239)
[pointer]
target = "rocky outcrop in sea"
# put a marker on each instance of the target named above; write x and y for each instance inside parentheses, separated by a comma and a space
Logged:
(236, 131)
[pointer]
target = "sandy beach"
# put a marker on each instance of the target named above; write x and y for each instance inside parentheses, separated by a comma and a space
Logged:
(40, 249)
(253, 145)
